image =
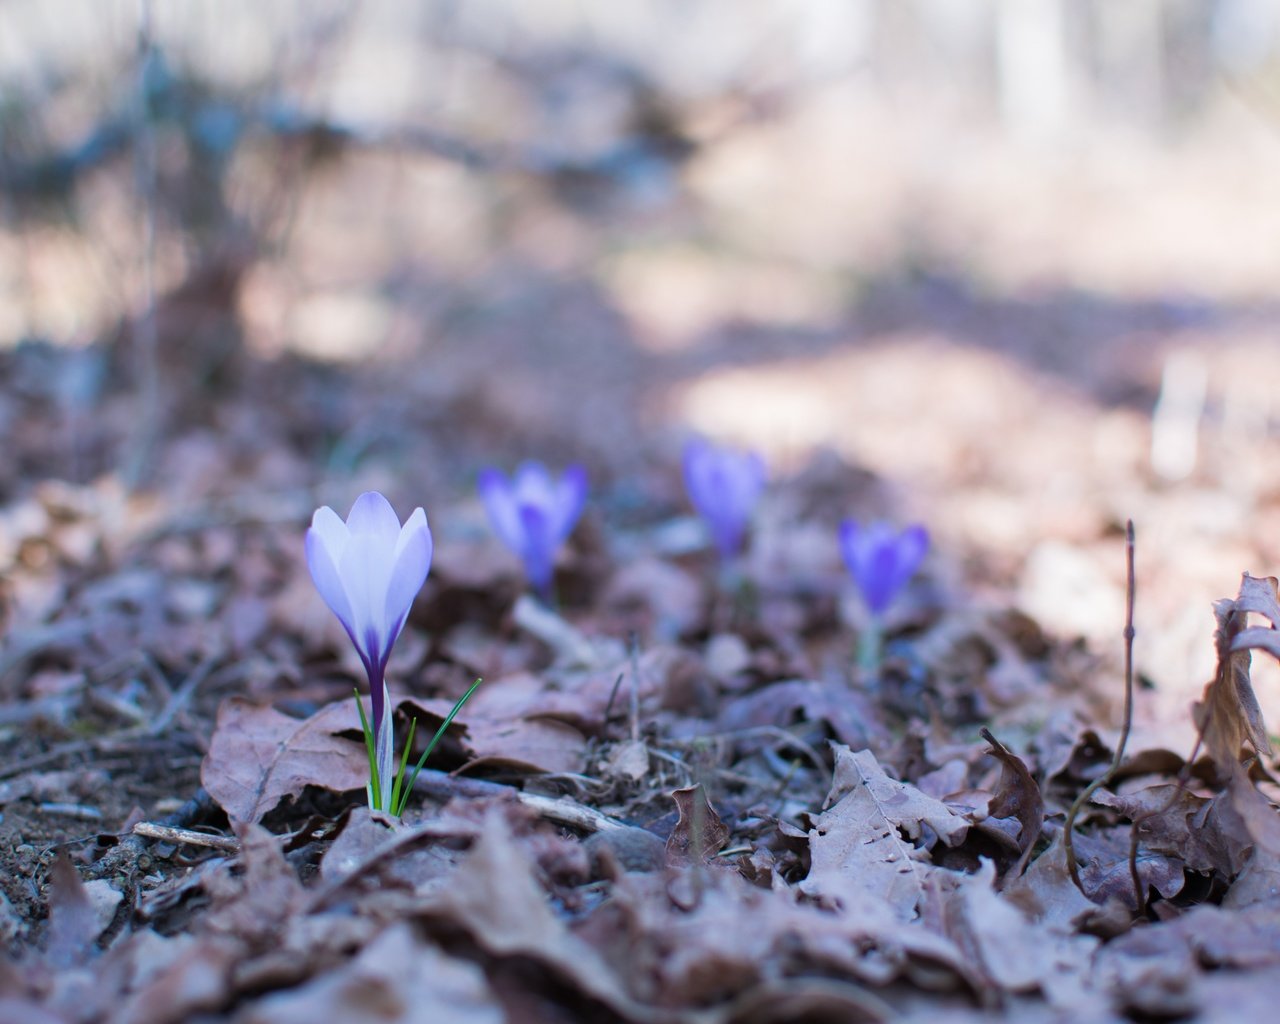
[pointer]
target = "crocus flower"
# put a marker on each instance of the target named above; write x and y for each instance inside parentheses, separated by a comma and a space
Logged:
(533, 514)
(368, 570)
(881, 560)
(724, 486)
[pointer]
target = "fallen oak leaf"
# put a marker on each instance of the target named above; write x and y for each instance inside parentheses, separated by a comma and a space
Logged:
(900, 803)
(258, 756)
(861, 848)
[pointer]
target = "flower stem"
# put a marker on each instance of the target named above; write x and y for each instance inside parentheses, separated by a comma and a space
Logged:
(370, 745)
(870, 647)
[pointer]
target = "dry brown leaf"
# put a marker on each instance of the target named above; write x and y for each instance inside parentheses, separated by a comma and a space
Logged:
(178, 978)
(1229, 716)
(373, 854)
(860, 840)
(662, 677)
(1260, 879)
(254, 903)
(496, 898)
(1174, 821)
(1106, 874)
(74, 926)
(1016, 954)
(494, 728)
(361, 835)
(737, 935)
(853, 718)
(1046, 892)
(1157, 969)
(259, 756)
(397, 977)
(699, 834)
(1016, 796)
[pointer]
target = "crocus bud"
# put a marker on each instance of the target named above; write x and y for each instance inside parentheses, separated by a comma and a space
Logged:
(533, 514)
(881, 560)
(368, 570)
(723, 486)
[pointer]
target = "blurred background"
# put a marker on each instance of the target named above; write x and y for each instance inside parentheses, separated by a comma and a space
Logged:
(1015, 258)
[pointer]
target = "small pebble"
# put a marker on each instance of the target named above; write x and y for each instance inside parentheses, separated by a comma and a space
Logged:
(633, 849)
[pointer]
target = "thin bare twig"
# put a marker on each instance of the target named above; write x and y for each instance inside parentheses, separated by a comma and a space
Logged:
(189, 837)
(184, 693)
(562, 810)
(1069, 826)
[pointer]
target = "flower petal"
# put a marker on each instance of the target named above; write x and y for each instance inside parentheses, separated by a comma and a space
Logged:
(331, 531)
(532, 485)
(850, 532)
(500, 505)
(539, 547)
(373, 514)
(327, 578)
(365, 569)
(881, 560)
(912, 547)
(880, 581)
(412, 562)
(571, 496)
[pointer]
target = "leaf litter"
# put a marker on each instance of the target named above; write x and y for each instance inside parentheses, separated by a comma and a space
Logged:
(665, 803)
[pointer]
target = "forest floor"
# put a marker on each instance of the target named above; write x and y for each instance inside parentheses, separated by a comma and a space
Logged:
(673, 798)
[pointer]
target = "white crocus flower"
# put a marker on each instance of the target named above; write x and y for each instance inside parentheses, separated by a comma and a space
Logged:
(368, 570)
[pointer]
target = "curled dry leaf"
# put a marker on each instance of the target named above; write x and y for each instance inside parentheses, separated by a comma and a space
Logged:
(1017, 796)
(1229, 716)
(259, 756)
(699, 834)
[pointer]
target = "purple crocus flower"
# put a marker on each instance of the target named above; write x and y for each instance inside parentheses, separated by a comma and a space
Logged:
(533, 514)
(724, 486)
(881, 560)
(368, 570)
